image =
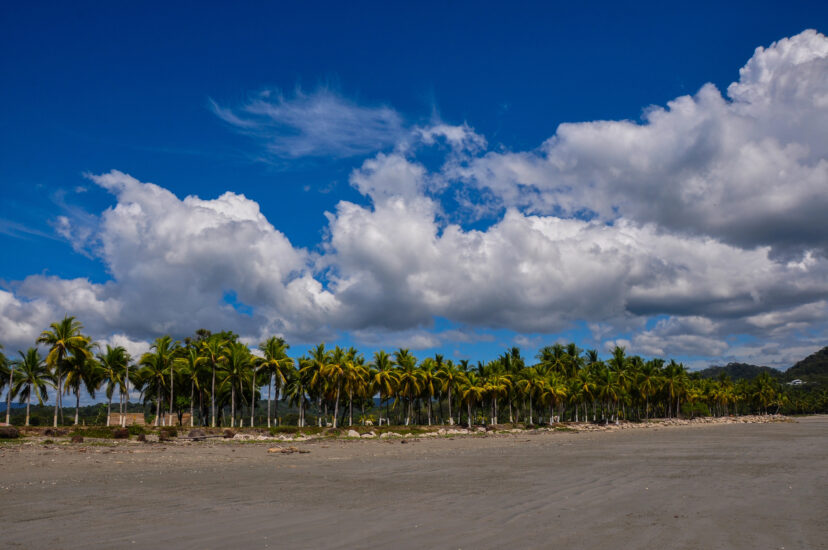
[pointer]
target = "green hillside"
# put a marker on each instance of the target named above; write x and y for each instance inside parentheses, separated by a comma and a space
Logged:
(741, 371)
(813, 369)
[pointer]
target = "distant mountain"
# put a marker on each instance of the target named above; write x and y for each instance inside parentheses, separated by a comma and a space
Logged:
(741, 371)
(813, 368)
(13, 406)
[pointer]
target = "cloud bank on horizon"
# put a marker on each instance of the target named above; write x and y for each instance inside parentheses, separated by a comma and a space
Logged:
(699, 231)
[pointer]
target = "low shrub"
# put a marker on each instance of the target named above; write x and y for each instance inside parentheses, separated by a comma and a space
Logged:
(276, 430)
(97, 432)
(136, 430)
(169, 432)
(120, 433)
(54, 432)
(692, 410)
(77, 439)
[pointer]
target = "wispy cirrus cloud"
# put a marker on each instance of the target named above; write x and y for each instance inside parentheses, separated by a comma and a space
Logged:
(322, 123)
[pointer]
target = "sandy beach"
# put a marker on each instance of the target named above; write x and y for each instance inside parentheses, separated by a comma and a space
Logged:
(726, 486)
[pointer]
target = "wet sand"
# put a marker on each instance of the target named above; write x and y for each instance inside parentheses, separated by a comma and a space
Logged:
(725, 486)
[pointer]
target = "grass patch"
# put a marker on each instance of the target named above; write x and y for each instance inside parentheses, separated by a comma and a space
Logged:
(98, 432)
(564, 429)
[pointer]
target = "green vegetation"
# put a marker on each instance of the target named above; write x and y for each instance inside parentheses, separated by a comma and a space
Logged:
(811, 370)
(741, 371)
(214, 379)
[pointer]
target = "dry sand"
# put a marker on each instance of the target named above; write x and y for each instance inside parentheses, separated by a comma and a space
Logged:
(726, 486)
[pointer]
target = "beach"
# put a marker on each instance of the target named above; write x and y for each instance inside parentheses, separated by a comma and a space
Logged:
(738, 485)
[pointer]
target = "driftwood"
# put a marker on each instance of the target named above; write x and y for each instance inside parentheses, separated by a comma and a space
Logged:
(287, 450)
(201, 437)
(9, 432)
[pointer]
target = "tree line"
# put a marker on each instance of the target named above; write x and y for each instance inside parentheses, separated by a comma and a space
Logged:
(215, 377)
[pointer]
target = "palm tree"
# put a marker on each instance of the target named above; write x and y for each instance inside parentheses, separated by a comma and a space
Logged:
(33, 377)
(275, 365)
(166, 351)
(530, 385)
(498, 385)
(236, 363)
(472, 393)
(113, 364)
(583, 388)
(450, 377)
(152, 378)
(82, 370)
(608, 390)
(334, 372)
(64, 339)
(675, 379)
(314, 372)
(554, 393)
(555, 359)
(383, 379)
(353, 376)
(296, 387)
(213, 348)
(649, 382)
(409, 379)
(190, 365)
(429, 381)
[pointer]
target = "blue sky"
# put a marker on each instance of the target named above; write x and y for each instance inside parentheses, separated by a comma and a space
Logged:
(437, 127)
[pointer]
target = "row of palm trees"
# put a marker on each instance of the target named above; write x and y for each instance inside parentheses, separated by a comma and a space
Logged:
(210, 373)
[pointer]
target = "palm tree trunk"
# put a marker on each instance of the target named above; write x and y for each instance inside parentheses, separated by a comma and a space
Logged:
(158, 405)
(8, 397)
(301, 411)
(269, 387)
(192, 403)
(28, 405)
(126, 398)
(350, 408)
(319, 410)
(336, 407)
(429, 410)
(253, 399)
(172, 388)
(108, 411)
(232, 406)
(213, 399)
(57, 394)
(451, 418)
(276, 410)
(77, 405)
(468, 407)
